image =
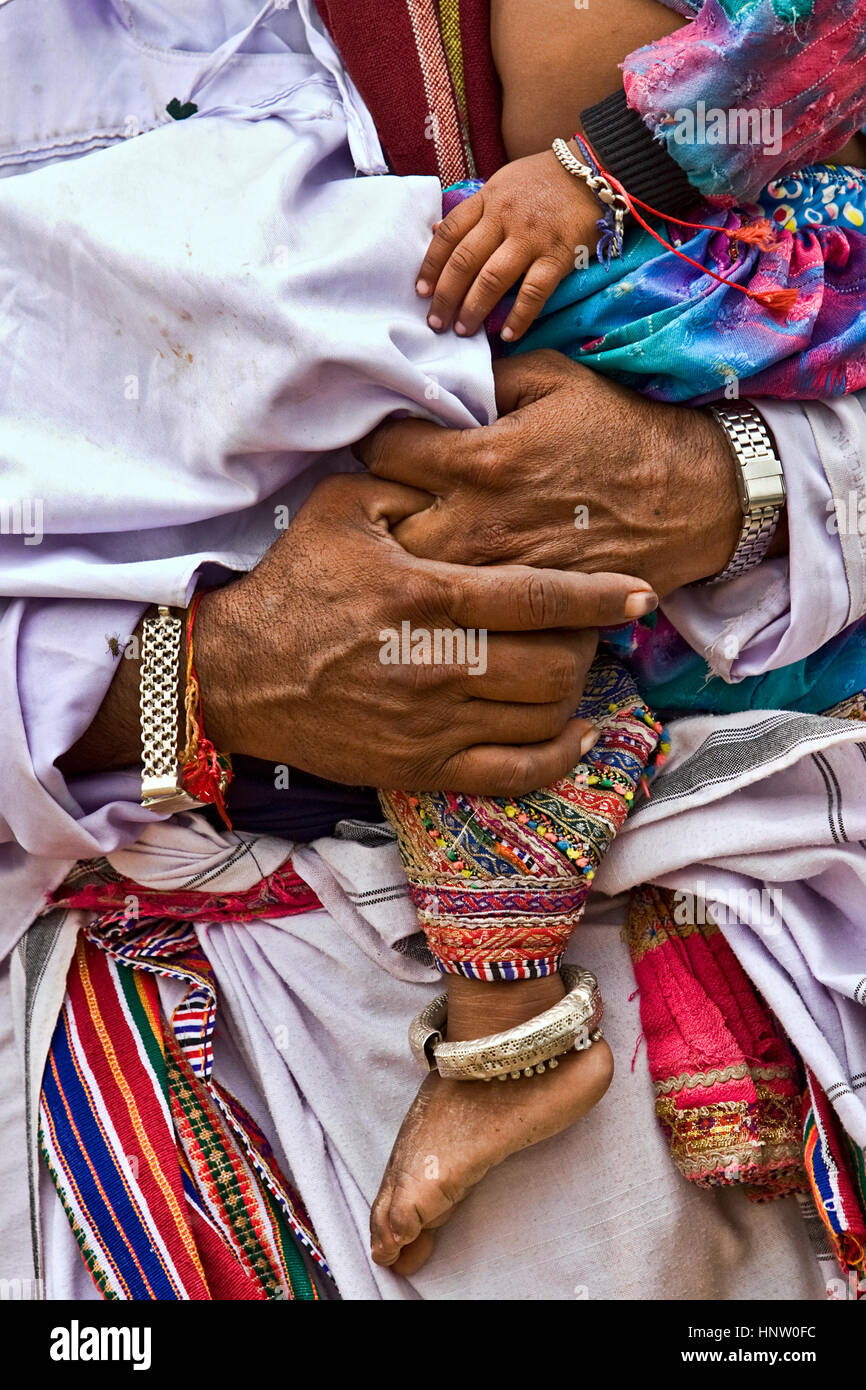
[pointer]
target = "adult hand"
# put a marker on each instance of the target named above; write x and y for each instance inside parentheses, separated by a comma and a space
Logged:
(657, 481)
(290, 656)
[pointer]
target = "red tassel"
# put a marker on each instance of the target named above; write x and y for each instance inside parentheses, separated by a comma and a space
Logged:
(760, 233)
(755, 232)
(206, 772)
(775, 299)
(203, 775)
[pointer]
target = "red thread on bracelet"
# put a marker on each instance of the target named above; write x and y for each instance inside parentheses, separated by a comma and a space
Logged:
(205, 773)
(758, 233)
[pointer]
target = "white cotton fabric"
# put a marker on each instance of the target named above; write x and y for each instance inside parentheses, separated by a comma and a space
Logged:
(195, 322)
(218, 341)
(311, 1031)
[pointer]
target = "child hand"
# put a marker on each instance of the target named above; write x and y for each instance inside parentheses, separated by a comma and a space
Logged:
(528, 220)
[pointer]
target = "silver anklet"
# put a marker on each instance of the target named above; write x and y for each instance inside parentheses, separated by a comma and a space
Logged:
(572, 1024)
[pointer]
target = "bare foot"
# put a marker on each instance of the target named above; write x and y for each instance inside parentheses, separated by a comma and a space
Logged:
(456, 1131)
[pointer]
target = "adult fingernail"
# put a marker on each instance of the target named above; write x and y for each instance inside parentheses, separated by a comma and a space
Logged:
(589, 740)
(434, 322)
(460, 329)
(422, 287)
(641, 602)
(507, 334)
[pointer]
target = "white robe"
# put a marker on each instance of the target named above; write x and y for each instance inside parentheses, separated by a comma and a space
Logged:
(179, 363)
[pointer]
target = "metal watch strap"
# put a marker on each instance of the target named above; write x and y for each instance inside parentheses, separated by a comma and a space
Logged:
(761, 484)
(158, 699)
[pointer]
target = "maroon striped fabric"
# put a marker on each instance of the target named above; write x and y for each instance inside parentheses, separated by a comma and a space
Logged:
(483, 92)
(394, 53)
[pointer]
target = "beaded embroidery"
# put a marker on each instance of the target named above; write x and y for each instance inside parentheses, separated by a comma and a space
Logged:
(500, 883)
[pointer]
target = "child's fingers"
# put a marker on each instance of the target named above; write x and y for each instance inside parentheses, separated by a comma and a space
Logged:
(494, 280)
(460, 271)
(446, 235)
(540, 281)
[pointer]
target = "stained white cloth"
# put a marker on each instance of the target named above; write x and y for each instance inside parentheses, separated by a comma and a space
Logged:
(195, 322)
(311, 1034)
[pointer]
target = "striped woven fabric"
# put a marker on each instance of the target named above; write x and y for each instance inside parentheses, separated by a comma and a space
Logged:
(443, 115)
(836, 1169)
(170, 1186)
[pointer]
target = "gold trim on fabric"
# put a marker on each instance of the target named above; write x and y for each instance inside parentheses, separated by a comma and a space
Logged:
(738, 1071)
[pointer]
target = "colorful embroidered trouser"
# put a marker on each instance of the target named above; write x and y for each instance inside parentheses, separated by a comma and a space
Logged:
(500, 884)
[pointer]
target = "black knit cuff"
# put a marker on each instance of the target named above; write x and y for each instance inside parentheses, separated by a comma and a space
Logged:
(625, 146)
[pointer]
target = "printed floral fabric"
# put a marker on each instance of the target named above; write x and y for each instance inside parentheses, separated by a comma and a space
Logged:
(500, 883)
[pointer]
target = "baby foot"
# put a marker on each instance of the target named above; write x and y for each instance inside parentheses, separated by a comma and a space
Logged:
(456, 1131)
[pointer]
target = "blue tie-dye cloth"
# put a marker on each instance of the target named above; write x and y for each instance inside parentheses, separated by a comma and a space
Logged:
(654, 322)
(675, 680)
(657, 324)
(662, 327)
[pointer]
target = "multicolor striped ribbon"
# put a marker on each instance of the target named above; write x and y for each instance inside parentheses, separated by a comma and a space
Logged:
(444, 115)
(169, 1184)
(837, 1178)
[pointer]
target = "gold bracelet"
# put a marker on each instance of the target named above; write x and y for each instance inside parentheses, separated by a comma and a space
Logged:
(158, 695)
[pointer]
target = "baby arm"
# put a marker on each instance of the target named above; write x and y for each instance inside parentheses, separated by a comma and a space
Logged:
(531, 216)
(530, 219)
(499, 885)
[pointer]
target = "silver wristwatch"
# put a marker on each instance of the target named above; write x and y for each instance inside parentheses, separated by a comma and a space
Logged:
(760, 481)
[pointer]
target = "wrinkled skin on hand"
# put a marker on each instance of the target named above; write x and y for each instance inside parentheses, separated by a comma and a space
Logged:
(657, 481)
(291, 655)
